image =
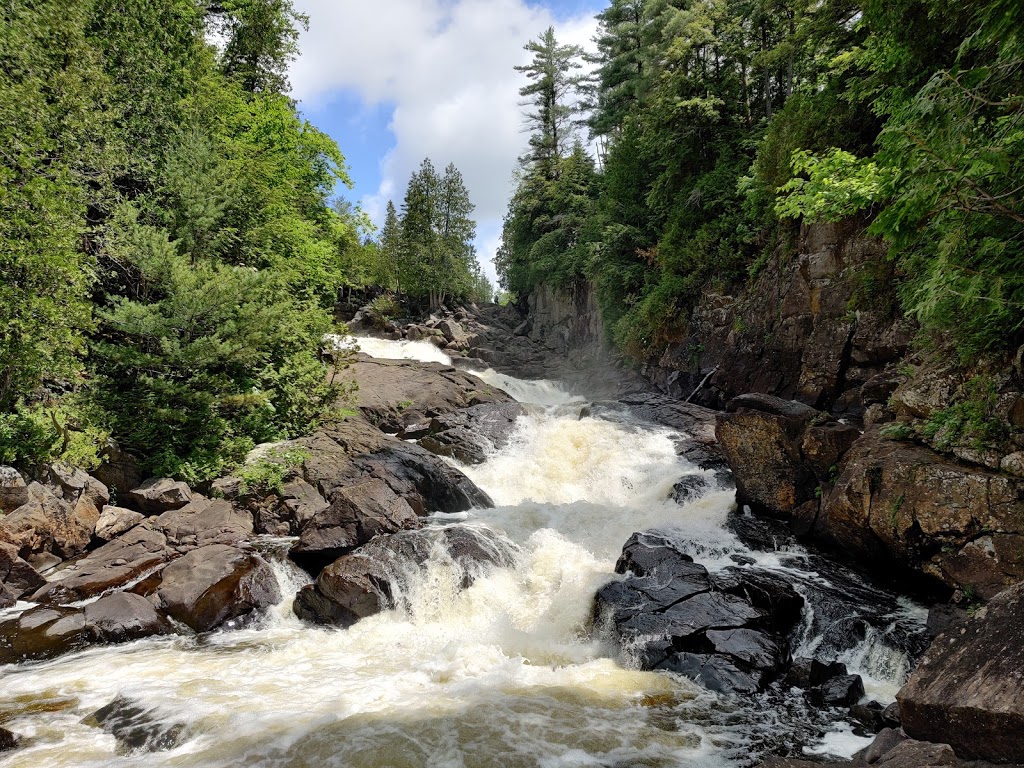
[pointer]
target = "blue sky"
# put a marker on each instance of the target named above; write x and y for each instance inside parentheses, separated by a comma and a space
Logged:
(395, 81)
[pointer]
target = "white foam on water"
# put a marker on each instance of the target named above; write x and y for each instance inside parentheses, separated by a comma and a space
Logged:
(391, 350)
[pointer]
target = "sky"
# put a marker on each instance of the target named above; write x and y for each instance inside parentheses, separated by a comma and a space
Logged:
(395, 81)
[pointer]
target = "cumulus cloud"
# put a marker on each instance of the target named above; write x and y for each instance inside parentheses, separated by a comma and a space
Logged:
(446, 68)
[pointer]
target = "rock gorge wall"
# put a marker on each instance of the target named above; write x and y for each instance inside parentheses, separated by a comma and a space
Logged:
(818, 323)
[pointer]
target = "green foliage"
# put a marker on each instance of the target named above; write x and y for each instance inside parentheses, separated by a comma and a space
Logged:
(382, 309)
(163, 204)
(970, 421)
(31, 436)
(267, 474)
(838, 186)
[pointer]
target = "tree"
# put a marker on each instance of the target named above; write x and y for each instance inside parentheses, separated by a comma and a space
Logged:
(262, 40)
(551, 96)
(390, 244)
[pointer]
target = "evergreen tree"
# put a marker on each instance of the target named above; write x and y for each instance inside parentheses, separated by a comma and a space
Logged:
(551, 96)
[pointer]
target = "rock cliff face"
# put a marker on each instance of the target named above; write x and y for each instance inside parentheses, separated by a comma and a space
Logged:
(818, 323)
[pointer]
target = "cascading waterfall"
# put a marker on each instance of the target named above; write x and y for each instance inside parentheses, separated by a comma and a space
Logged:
(507, 672)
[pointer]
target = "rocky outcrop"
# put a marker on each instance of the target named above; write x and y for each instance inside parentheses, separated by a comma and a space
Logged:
(967, 690)
(882, 502)
(357, 514)
(370, 579)
(134, 555)
(13, 489)
(138, 728)
(215, 584)
(818, 323)
(727, 631)
(782, 454)
(469, 435)
(158, 495)
(50, 524)
(48, 631)
(113, 521)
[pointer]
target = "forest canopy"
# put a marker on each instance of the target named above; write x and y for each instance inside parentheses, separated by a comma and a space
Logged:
(719, 125)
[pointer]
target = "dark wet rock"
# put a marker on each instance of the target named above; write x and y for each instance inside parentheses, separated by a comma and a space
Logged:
(869, 715)
(215, 584)
(121, 617)
(13, 489)
(727, 631)
(357, 514)
(966, 690)
(716, 673)
(138, 728)
(202, 522)
(891, 715)
(765, 590)
(158, 495)
(763, 534)
(470, 434)
(690, 488)
(943, 616)
(116, 564)
(364, 582)
(113, 521)
(48, 631)
(840, 691)
(16, 576)
(8, 740)
(806, 673)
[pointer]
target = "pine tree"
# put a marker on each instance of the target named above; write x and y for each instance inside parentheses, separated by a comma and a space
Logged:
(551, 94)
(393, 268)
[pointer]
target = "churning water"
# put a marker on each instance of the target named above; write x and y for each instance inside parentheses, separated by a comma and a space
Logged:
(505, 673)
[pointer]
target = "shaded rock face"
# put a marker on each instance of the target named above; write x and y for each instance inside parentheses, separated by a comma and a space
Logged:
(44, 632)
(215, 584)
(782, 453)
(904, 505)
(357, 514)
(967, 689)
(370, 579)
(726, 631)
(798, 332)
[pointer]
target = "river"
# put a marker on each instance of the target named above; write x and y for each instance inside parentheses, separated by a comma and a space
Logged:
(506, 673)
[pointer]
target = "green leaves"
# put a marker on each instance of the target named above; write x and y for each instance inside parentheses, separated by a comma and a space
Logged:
(838, 185)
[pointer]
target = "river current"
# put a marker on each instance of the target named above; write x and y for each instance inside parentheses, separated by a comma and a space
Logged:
(506, 673)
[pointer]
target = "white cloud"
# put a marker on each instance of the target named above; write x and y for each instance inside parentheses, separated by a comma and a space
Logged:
(447, 67)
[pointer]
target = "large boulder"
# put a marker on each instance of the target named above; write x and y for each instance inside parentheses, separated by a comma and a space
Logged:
(726, 631)
(13, 489)
(17, 577)
(368, 580)
(215, 584)
(113, 521)
(85, 494)
(357, 514)
(905, 506)
(47, 631)
(50, 524)
(781, 452)
(129, 558)
(159, 494)
(138, 727)
(202, 521)
(298, 503)
(967, 690)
